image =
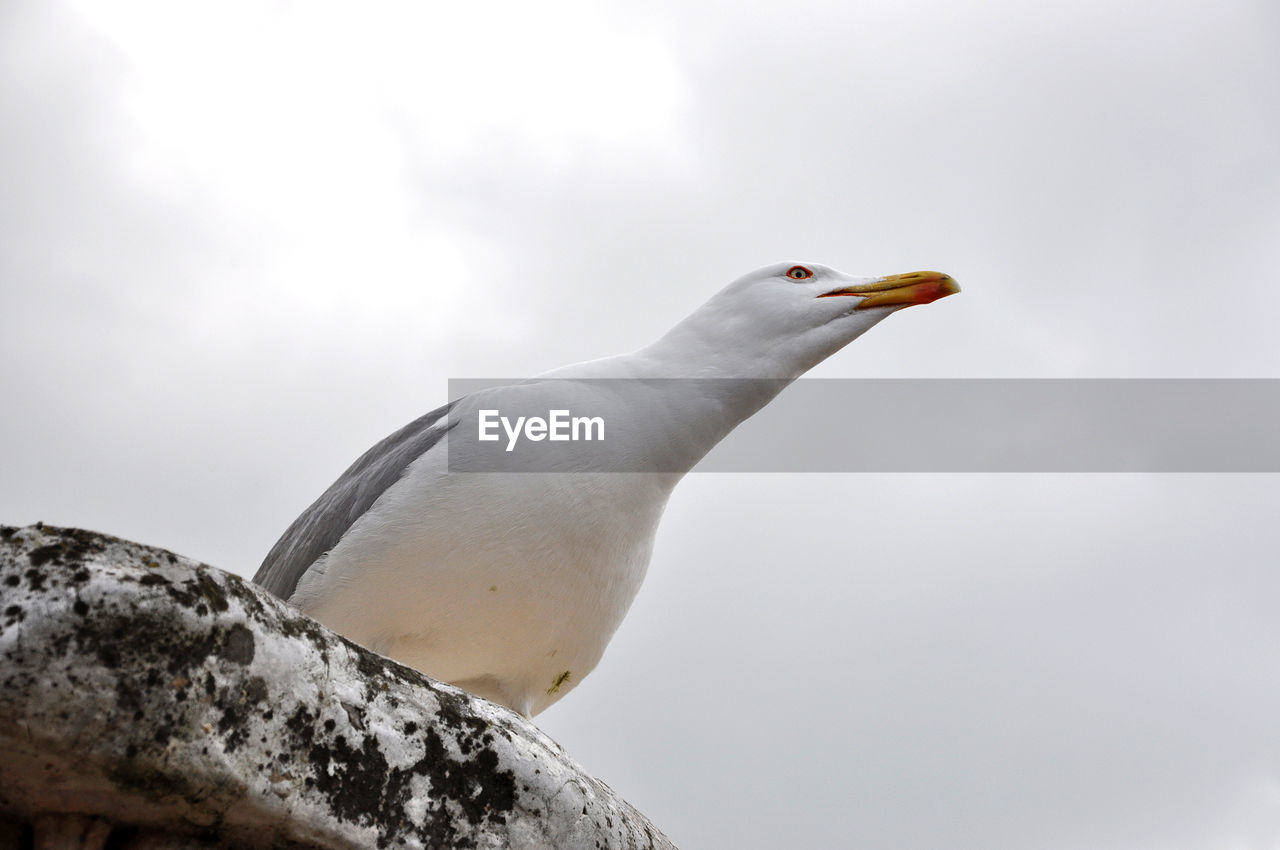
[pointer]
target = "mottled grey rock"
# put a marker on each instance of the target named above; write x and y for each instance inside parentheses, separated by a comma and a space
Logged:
(147, 700)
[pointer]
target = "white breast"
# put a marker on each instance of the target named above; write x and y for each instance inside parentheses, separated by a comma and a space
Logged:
(509, 585)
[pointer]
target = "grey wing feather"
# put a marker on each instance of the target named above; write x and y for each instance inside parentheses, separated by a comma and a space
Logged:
(322, 525)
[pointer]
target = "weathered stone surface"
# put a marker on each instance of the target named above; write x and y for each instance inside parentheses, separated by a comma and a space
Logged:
(147, 700)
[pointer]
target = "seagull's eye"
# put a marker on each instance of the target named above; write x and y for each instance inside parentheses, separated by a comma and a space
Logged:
(799, 273)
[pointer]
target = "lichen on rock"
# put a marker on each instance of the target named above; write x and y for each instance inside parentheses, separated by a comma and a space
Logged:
(164, 700)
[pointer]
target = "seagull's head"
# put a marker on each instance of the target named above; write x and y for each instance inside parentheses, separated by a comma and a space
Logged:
(801, 313)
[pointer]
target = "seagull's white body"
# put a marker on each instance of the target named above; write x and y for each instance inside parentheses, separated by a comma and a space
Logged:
(511, 584)
(473, 579)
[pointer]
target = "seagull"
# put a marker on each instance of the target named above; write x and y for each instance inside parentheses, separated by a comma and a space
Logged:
(509, 584)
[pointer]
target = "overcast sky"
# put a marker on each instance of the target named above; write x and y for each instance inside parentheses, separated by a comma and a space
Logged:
(241, 242)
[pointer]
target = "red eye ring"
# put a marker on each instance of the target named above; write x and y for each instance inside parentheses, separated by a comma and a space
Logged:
(799, 273)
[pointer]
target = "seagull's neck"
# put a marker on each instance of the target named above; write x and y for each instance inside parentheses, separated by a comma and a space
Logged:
(713, 344)
(722, 339)
(712, 371)
(698, 383)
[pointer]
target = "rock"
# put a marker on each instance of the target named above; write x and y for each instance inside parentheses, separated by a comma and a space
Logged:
(147, 700)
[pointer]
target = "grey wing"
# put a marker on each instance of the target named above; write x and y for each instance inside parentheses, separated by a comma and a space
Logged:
(323, 524)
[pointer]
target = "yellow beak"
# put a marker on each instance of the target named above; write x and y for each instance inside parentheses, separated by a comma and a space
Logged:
(910, 288)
